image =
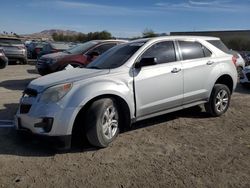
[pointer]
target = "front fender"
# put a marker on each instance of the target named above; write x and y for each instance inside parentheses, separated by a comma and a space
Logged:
(85, 93)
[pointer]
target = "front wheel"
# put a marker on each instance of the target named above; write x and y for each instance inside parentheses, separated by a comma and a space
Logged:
(102, 122)
(219, 100)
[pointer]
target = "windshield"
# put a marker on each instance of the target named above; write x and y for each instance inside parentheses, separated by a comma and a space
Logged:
(115, 57)
(81, 48)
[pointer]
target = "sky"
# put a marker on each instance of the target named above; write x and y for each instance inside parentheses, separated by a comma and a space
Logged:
(123, 18)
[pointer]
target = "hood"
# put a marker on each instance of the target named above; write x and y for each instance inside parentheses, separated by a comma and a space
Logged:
(70, 75)
(56, 55)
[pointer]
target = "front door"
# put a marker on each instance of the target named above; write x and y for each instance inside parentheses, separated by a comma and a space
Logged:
(159, 87)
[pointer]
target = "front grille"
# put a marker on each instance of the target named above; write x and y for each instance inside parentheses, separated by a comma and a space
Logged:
(30, 92)
(25, 108)
(248, 76)
(41, 61)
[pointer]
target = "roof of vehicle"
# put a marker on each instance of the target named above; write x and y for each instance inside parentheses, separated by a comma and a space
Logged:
(177, 37)
(60, 46)
(11, 38)
(110, 40)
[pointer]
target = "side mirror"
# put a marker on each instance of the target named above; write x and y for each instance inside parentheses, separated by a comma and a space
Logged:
(146, 61)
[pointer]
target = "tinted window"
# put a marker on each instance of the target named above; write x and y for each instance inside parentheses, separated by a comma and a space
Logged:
(191, 50)
(103, 48)
(115, 57)
(219, 44)
(207, 52)
(82, 48)
(164, 52)
(10, 41)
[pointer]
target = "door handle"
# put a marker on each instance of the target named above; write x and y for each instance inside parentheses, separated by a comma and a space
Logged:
(210, 62)
(175, 70)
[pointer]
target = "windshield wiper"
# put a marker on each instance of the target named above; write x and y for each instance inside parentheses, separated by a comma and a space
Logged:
(66, 51)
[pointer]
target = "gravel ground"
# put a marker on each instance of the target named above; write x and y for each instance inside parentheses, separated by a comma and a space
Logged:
(181, 149)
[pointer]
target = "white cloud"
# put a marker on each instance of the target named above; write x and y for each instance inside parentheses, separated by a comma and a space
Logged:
(84, 8)
(204, 6)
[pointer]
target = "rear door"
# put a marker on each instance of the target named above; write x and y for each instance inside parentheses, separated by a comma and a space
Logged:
(159, 87)
(197, 65)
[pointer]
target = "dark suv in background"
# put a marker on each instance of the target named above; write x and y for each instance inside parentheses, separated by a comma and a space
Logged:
(14, 49)
(53, 47)
(78, 56)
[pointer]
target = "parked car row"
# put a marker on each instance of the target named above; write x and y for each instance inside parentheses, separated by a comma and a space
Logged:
(77, 56)
(130, 82)
(37, 49)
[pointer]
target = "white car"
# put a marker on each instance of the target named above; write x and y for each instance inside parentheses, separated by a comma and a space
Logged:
(245, 76)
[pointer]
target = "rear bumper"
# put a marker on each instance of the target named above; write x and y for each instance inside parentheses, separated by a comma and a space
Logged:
(15, 57)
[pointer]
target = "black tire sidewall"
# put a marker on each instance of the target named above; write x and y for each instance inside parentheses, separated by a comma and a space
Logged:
(94, 117)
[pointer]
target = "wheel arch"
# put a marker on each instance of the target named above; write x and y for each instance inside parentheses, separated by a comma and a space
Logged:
(227, 80)
(123, 108)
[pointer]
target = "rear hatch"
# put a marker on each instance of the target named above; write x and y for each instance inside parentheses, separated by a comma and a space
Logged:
(12, 46)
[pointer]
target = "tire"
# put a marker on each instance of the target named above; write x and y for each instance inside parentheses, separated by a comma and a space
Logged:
(102, 122)
(219, 100)
(2, 65)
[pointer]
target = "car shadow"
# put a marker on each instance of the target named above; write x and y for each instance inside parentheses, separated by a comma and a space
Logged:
(243, 89)
(32, 71)
(16, 84)
(25, 144)
(193, 112)
(7, 112)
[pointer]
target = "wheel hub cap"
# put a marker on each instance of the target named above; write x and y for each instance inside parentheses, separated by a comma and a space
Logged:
(221, 102)
(110, 122)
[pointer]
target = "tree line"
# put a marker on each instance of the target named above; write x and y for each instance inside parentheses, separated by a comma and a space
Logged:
(81, 37)
(235, 43)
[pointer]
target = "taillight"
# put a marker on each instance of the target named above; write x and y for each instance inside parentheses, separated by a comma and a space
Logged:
(21, 47)
(234, 60)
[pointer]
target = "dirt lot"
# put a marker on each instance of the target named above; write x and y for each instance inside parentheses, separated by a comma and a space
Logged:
(182, 149)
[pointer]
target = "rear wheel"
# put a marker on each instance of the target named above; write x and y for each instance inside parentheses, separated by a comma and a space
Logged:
(219, 100)
(102, 121)
(2, 65)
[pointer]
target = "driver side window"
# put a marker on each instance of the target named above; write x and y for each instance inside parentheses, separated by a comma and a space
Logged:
(164, 52)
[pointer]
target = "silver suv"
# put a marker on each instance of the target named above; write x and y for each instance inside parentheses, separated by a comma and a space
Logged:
(131, 82)
(14, 49)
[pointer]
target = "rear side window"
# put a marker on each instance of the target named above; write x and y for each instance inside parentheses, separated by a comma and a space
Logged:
(193, 50)
(219, 44)
(10, 41)
(164, 52)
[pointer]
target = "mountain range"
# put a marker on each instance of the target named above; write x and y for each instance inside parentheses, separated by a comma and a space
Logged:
(48, 33)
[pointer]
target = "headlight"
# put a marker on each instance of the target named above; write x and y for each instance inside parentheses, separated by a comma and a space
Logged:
(55, 93)
(1, 54)
(52, 61)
